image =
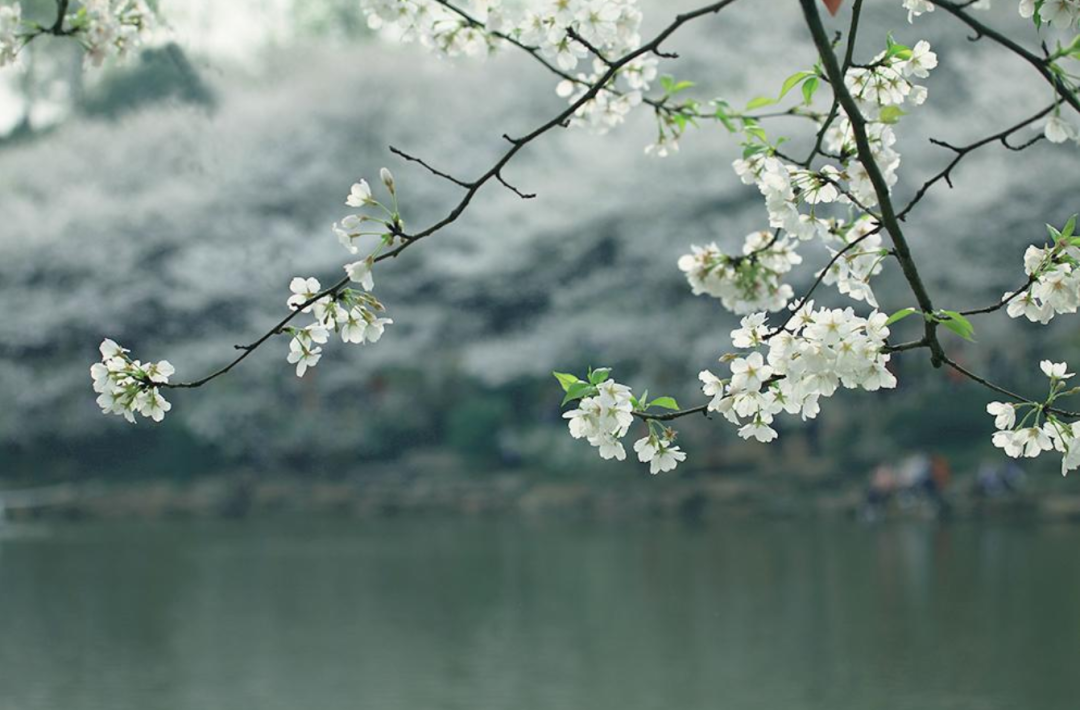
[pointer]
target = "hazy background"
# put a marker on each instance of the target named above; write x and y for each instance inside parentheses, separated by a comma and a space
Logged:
(166, 203)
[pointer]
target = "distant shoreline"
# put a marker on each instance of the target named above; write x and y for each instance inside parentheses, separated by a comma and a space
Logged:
(513, 494)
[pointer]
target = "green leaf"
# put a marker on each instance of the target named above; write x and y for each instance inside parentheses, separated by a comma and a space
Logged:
(900, 315)
(722, 114)
(577, 391)
(1069, 228)
(665, 402)
(681, 86)
(958, 324)
(566, 380)
(757, 132)
(758, 102)
(897, 50)
(792, 81)
(891, 114)
(809, 87)
(752, 150)
(599, 375)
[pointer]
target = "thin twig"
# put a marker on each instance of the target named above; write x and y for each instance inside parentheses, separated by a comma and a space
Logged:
(433, 171)
(963, 151)
(1063, 90)
(817, 282)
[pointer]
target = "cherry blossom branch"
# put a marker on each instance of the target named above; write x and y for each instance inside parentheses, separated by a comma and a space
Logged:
(881, 187)
(962, 151)
(1005, 301)
(700, 409)
(849, 57)
(1001, 390)
(56, 29)
(910, 345)
(657, 104)
(1063, 90)
(670, 416)
(473, 187)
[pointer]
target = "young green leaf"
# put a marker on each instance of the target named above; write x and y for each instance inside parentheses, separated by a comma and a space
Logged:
(599, 375)
(1069, 228)
(809, 88)
(577, 391)
(900, 315)
(758, 102)
(566, 380)
(792, 81)
(665, 402)
(958, 324)
(891, 114)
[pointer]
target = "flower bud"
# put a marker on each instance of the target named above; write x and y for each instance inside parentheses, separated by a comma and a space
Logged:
(388, 179)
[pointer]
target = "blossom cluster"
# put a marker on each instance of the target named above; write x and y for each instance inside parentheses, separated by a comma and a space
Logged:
(918, 7)
(10, 22)
(1039, 429)
(785, 187)
(1054, 278)
(1062, 14)
(880, 89)
(604, 414)
(811, 357)
(563, 32)
(112, 27)
(603, 419)
(126, 387)
(353, 314)
(852, 268)
(748, 282)
(436, 26)
(104, 27)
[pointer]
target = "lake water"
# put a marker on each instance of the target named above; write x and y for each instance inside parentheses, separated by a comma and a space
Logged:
(412, 615)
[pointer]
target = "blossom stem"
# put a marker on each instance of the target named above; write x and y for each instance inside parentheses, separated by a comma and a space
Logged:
(881, 188)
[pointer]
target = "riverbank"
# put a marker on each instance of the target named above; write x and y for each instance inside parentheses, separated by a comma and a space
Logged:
(403, 492)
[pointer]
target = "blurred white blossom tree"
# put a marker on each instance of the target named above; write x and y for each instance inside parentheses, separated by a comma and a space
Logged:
(840, 193)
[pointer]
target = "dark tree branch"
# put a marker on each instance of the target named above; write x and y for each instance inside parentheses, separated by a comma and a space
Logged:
(669, 416)
(493, 173)
(433, 171)
(901, 347)
(962, 151)
(958, 10)
(511, 188)
(1005, 301)
(881, 188)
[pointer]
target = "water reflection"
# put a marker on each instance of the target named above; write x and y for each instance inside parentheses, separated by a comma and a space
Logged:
(496, 615)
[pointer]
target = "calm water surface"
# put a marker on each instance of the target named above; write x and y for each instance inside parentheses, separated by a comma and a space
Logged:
(515, 616)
